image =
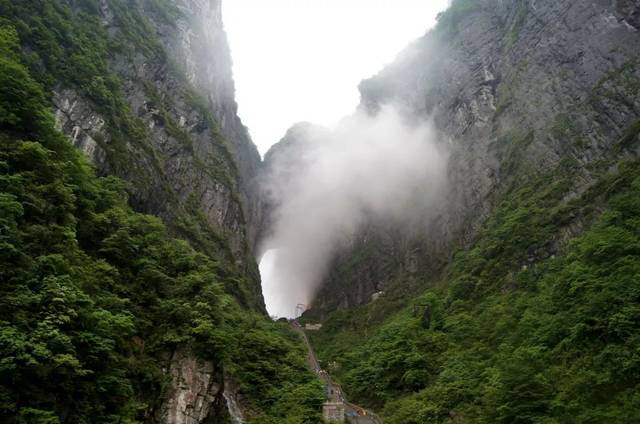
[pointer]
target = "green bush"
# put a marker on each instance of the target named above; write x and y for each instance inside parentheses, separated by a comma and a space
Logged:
(555, 341)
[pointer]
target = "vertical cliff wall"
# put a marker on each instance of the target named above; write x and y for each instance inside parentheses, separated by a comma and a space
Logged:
(518, 89)
(176, 137)
(187, 156)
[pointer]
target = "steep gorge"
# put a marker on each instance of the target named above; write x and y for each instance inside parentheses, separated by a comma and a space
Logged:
(514, 299)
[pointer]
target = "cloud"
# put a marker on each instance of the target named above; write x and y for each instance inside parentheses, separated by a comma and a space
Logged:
(325, 183)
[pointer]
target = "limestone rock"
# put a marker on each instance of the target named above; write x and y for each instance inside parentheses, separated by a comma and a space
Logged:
(190, 158)
(513, 86)
(196, 391)
(75, 117)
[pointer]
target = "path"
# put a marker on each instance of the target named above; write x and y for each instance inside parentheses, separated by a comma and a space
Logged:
(353, 413)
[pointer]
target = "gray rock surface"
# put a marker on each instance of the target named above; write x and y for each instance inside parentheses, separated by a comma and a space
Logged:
(196, 394)
(514, 87)
(76, 118)
(191, 162)
(195, 155)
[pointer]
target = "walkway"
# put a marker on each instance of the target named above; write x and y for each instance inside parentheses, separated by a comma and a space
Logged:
(353, 413)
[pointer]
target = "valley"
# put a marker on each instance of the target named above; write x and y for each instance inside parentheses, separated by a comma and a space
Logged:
(463, 248)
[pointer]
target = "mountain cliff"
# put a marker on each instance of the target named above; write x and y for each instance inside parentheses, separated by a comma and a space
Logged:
(130, 291)
(177, 138)
(487, 311)
(519, 90)
(133, 203)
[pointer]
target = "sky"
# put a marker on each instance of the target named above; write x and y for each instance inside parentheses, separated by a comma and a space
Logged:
(302, 60)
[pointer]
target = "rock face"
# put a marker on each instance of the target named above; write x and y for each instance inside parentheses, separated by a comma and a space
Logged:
(76, 118)
(196, 394)
(234, 401)
(516, 88)
(187, 156)
(201, 49)
(199, 394)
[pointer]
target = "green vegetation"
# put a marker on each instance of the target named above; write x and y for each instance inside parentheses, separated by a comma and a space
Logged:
(514, 334)
(94, 298)
(631, 135)
(66, 45)
(71, 47)
(511, 150)
(619, 84)
(518, 23)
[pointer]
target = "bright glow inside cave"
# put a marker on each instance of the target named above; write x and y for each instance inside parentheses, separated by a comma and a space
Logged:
(269, 285)
(273, 274)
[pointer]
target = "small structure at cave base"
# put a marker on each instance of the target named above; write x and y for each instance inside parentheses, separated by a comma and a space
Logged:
(376, 296)
(333, 412)
(312, 327)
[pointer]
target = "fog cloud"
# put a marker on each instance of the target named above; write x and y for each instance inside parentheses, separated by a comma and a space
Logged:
(324, 183)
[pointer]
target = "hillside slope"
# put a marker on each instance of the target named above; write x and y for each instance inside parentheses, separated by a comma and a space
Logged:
(106, 315)
(516, 302)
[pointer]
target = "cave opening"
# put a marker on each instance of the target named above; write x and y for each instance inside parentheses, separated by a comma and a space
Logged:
(283, 294)
(269, 291)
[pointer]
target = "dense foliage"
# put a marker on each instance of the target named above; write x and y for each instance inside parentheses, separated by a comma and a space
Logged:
(94, 298)
(512, 336)
(70, 47)
(79, 45)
